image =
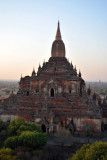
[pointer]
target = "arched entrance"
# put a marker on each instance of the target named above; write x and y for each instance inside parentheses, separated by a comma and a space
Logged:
(27, 93)
(43, 128)
(70, 91)
(52, 92)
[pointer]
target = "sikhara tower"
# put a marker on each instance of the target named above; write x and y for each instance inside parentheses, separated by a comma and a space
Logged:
(55, 96)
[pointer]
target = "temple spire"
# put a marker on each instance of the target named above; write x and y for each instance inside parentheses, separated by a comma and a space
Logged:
(58, 47)
(58, 33)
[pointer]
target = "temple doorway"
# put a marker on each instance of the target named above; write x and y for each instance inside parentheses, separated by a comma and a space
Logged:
(43, 128)
(52, 92)
(27, 93)
(70, 91)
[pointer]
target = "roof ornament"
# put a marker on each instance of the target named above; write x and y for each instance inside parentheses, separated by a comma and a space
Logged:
(39, 65)
(33, 72)
(79, 73)
(44, 62)
(58, 33)
(58, 47)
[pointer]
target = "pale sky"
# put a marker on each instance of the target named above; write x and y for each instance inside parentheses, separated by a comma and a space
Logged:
(28, 28)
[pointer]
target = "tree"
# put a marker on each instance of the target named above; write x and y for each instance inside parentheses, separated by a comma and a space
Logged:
(18, 125)
(29, 139)
(95, 151)
(28, 126)
(25, 134)
(32, 139)
(15, 125)
(7, 154)
(12, 142)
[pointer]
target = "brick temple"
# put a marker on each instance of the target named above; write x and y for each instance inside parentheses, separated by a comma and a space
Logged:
(55, 96)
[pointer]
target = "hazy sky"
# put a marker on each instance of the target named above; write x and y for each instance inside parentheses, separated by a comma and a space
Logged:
(28, 28)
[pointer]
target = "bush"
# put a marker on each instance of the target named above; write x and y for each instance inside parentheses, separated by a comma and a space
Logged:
(12, 142)
(32, 139)
(14, 126)
(7, 154)
(25, 134)
(18, 125)
(28, 126)
(95, 151)
(29, 139)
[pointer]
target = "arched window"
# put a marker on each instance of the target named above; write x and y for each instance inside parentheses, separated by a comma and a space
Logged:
(52, 92)
(27, 93)
(36, 90)
(43, 128)
(70, 91)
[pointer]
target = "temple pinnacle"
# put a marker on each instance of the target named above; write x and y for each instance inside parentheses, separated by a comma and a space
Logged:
(58, 33)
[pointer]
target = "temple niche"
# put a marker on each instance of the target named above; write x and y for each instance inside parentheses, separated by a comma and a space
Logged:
(55, 96)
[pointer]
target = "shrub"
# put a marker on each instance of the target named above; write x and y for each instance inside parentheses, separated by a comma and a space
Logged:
(7, 154)
(98, 150)
(12, 142)
(14, 125)
(24, 134)
(18, 125)
(95, 151)
(28, 126)
(32, 139)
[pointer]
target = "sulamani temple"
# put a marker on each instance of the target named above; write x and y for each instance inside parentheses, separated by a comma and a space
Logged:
(55, 96)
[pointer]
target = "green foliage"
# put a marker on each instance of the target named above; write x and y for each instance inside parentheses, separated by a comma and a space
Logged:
(22, 128)
(95, 151)
(18, 125)
(7, 154)
(32, 139)
(80, 154)
(3, 136)
(28, 126)
(25, 134)
(12, 142)
(2, 125)
(14, 126)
